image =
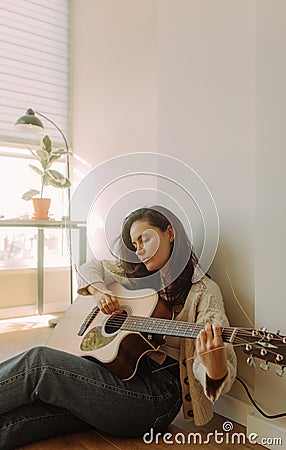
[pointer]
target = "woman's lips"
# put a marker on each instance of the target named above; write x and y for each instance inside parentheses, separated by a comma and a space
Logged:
(146, 259)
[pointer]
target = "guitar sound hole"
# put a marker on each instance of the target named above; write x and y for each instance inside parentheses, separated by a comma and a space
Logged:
(115, 322)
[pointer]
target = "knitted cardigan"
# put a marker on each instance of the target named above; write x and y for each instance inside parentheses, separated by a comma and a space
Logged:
(203, 304)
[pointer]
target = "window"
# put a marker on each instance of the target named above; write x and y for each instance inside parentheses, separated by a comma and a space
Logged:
(34, 73)
(34, 65)
(18, 247)
(16, 177)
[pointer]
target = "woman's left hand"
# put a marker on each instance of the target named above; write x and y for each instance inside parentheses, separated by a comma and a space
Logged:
(210, 349)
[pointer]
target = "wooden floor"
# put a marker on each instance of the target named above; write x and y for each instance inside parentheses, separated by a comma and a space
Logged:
(93, 440)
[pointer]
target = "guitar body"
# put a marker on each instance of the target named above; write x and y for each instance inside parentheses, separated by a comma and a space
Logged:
(118, 341)
(85, 331)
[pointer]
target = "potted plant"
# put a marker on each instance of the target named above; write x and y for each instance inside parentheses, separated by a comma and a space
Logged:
(46, 156)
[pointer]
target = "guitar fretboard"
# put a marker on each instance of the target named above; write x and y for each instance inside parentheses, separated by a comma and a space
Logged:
(170, 327)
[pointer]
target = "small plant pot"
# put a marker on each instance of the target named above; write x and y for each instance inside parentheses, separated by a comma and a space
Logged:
(41, 208)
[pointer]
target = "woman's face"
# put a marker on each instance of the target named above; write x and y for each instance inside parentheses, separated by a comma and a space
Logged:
(152, 246)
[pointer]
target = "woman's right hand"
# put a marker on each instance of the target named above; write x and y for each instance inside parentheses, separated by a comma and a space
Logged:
(107, 302)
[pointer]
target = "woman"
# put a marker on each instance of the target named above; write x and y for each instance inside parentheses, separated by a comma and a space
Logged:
(45, 392)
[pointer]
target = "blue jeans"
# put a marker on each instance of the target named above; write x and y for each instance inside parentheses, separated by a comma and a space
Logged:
(45, 392)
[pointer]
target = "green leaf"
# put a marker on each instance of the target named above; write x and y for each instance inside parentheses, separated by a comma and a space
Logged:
(46, 179)
(60, 184)
(67, 183)
(47, 144)
(36, 169)
(61, 151)
(56, 184)
(55, 155)
(43, 155)
(57, 176)
(30, 194)
(52, 159)
(58, 179)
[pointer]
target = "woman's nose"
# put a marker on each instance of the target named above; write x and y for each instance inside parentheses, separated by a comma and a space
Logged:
(140, 250)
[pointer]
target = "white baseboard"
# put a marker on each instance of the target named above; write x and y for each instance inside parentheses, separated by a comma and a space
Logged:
(233, 409)
(271, 433)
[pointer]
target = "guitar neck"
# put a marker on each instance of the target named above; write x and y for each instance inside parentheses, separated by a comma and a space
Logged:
(167, 327)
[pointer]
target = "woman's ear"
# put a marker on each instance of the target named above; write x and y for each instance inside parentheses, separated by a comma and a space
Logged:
(171, 233)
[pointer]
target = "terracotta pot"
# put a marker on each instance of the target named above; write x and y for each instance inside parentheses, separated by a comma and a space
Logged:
(41, 208)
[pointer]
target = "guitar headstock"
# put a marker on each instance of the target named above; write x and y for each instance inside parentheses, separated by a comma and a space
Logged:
(267, 346)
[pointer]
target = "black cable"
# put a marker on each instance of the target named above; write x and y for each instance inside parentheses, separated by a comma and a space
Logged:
(275, 416)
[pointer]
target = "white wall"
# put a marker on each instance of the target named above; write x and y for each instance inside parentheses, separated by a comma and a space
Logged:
(206, 110)
(114, 78)
(270, 243)
(180, 77)
(114, 95)
(221, 109)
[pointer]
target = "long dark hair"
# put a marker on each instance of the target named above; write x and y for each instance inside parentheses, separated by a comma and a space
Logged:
(182, 261)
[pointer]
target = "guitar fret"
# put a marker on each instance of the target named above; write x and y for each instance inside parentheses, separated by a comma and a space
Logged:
(160, 326)
(232, 337)
(195, 332)
(171, 327)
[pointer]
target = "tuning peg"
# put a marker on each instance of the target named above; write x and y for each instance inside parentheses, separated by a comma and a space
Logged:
(263, 329)
(284, 340)
(264, 366)
(248, 347)
(268, 337)
(263, 352)
(250, 361)
(279, 358)
(281, 372)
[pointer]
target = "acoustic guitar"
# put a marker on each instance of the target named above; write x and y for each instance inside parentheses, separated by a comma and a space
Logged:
(118, 341)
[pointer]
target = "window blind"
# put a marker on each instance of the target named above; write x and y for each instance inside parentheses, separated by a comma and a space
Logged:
(34, 66)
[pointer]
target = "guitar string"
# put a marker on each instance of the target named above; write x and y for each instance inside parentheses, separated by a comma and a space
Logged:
(231, 286)
(238, 339)
(241, 342)
(155, 324)
(231, 329)
(117, 319)
(234, 294)
(186, 333)
(276, 337)
(181, 325)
